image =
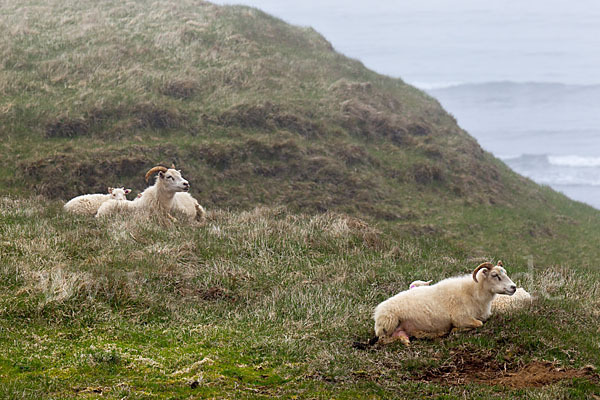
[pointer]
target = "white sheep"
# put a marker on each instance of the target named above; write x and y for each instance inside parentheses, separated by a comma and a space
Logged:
(502, 303)
(88, 204)
(184, 203)
(456, 303)
(168, 192)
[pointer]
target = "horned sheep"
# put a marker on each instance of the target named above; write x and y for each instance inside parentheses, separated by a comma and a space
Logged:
(456, 303)
(502, 303)
(169, 193)
(184, 203)
(88, 204)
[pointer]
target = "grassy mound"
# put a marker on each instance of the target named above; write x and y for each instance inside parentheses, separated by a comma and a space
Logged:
(255, 111)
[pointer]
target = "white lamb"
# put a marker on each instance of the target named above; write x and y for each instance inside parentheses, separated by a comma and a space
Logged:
(88, 204)
(168, 192)
(457, 303)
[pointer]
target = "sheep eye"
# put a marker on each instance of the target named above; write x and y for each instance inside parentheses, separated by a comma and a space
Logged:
(498, 276)
(169, 177)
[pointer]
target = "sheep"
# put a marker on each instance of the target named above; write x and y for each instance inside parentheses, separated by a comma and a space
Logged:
(457, 303)
(419, 283)
(88, 204)
(184, 203)
(112, 206)
(168, 192)
(502, 303)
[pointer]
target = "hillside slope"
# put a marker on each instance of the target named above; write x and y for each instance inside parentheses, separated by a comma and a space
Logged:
(255, 112)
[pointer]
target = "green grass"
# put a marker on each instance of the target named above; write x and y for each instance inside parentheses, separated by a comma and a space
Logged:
(329, 187)
(254, 304)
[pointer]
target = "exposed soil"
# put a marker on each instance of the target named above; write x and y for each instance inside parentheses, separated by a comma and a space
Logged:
(541, 373)
(469, 365)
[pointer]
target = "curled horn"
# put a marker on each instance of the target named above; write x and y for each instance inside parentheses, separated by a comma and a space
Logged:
(155, 169)
(481, 266)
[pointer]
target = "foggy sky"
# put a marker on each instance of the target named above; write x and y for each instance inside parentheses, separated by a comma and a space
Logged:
(443, 41)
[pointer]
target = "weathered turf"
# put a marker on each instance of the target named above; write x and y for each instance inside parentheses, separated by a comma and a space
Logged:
(260, 303)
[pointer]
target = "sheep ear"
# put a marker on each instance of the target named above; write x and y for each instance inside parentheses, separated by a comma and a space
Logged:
(127, 191)
(161, 174)
(110, 189)
(485, 272)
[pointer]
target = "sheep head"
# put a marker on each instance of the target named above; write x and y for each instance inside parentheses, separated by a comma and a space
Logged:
(118, 193)
(171, 179)
(496, 278)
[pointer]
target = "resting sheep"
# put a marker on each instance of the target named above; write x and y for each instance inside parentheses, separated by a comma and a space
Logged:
(184, 203)
(168, 193)
(502, 303)
(456, 303)
(88, 204)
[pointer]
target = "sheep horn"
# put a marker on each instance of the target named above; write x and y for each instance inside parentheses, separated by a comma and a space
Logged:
(155, 169)
(481, 266)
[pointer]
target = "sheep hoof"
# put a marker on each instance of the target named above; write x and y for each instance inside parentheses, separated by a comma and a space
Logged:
(400, 334)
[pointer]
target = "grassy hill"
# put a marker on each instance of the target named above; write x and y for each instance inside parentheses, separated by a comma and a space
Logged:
(330, 188)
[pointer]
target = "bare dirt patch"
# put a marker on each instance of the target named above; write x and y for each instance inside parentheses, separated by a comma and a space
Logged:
(475, 366)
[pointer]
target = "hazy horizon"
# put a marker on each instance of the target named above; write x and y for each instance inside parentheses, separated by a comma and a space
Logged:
(435, 43)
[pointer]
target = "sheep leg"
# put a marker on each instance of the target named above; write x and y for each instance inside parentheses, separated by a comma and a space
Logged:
(172, 218)
(471, 323)
(401, 335)
(428, 335)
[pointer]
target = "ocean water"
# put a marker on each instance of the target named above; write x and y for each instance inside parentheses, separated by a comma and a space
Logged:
(522, 77)
(547, 132)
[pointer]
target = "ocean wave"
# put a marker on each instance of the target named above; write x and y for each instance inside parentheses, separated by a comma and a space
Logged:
(557, 170)
(507, 85)
(574, 161)
(436, 85)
